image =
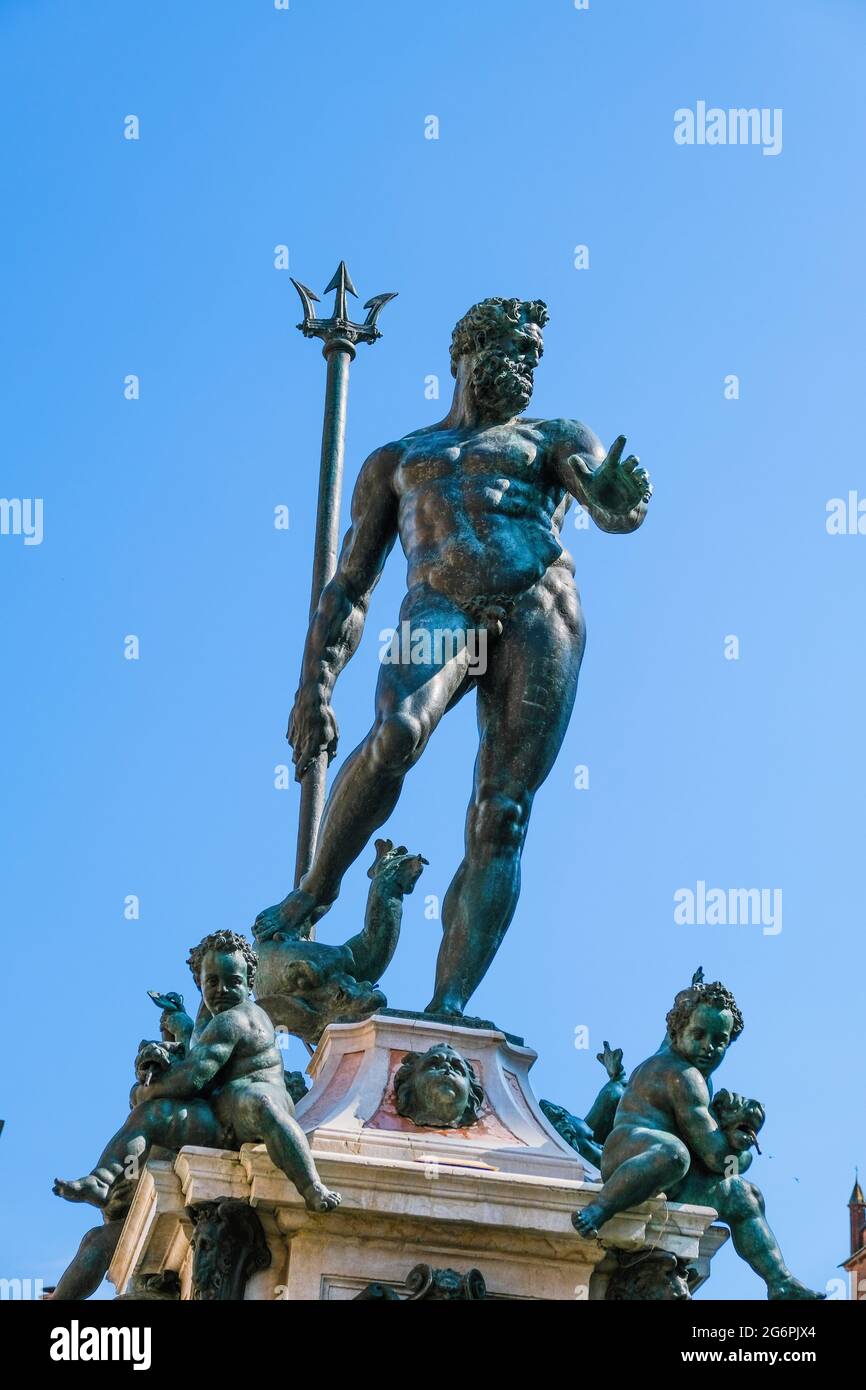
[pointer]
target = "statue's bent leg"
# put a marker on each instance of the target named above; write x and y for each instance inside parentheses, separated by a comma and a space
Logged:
(411, 697)
(652, 1162)
(741, 1204)
(168, 1123)
(88, 1268)
(525, 699)
(260, 1113)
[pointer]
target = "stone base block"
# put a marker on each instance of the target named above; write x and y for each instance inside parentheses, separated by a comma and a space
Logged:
(496, 1196)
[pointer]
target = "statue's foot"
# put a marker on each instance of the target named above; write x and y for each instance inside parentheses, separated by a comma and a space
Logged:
(446, 1004)
(587, 1222)
(791, 1290)
(293, 917)
(319, 1198)
(90, 1189)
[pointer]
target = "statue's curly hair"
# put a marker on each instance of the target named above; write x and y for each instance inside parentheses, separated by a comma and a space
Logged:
(688, 1000)
(222, 941)
(488, 320)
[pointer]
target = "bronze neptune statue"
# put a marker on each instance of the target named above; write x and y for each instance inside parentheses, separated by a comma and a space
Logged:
(477, 502)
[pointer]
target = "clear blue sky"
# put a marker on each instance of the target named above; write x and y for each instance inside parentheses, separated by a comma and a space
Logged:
(261, 127)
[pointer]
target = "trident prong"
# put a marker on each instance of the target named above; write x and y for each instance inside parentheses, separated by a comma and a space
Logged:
(341, 281)
(308, 299)
(376, 305)
(339, 327)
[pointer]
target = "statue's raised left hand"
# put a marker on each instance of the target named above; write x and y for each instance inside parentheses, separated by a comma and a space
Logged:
(618, 484)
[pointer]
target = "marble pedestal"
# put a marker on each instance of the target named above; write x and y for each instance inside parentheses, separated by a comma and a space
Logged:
(496, 1196)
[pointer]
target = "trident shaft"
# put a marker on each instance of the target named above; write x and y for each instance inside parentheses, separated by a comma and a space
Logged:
(339, 337)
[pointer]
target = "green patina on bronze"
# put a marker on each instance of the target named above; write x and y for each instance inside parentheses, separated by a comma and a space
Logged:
(225, 1088)
(89, 1265)
(587, 1135)
(668, 1136)
(424, 1284)
(304, 985)
(228, 1246)
(477, 502)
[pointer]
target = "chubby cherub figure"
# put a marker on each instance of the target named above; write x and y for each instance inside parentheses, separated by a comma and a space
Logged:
(227, 1089)
(667, 1139)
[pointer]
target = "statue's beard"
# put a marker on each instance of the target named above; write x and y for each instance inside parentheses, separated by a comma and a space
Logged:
(501, 386)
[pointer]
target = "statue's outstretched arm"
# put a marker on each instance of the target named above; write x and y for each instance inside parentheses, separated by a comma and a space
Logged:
(336, 626)
(614, 490)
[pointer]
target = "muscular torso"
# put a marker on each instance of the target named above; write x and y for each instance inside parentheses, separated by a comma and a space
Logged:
(479, 509)
(648, 1098)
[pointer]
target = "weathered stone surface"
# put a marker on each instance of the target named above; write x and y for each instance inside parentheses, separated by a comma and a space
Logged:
(496, 1196)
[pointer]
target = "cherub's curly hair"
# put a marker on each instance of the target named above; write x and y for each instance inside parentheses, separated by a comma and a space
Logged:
(487, 320)
(688, 1000)
(404, 1083)
(222, 941)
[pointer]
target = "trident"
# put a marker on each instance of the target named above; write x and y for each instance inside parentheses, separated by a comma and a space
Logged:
(339, 336)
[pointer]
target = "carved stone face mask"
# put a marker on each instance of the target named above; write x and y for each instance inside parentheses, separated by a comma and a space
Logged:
(442, 1086)
(437, 1088)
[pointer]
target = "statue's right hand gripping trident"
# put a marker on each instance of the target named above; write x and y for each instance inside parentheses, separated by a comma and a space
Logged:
(312, 728)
